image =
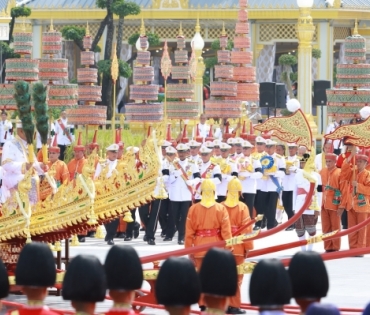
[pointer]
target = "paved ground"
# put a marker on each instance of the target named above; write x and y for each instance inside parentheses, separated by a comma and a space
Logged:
(349, 277)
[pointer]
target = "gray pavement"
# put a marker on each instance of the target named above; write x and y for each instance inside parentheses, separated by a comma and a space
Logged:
(349, 277)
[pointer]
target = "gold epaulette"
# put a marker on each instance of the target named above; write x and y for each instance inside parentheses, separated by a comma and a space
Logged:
(278, 156)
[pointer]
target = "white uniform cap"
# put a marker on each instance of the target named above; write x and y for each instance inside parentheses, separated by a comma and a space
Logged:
(182, 147)
(247, 144)
(270, 142)
(260, 139)
(132, 149)
(225, 146)
(231, 140)
(113, 147)
(209, 144)
(216, 142)
(204, 149)
(193, 143)
(238, 140)
(171, 149)
(292, 145)
(165, 143)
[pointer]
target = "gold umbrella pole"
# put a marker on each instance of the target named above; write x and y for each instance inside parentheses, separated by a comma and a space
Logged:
(114, 73)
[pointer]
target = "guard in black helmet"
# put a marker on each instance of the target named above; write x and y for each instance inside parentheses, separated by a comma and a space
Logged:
(269, 287)
(218, 264)
(4, 282)
(309, 278)
(34, 273)
(84, 283)
(177, 296)
(124, 275)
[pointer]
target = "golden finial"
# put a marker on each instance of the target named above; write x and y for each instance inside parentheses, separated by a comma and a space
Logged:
(223, 32)
(51, 26)
(114, 68)
(87, 33)
(180, 30)
(142, 27)
(355, 31)
(197, 26)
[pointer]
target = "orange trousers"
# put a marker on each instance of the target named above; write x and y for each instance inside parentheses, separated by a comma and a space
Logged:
(330, 222)
(358, 238)
(368, 235)
(235, 300)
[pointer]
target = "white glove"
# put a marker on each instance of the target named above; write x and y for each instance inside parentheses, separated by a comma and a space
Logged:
(256, 175)
(292, 168)
(225, 176)
(165, 178)
(177, 173)
(196, 181)
(190, 182)
(279, 174)
(244, 174)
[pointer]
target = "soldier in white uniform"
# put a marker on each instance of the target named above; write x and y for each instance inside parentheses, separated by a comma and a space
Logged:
(194, 147)
(217, 148)
(338, 144)
(207, 169)
(238, 148)
(209, 145)
(308, 220)
(229, 168)
(50, 139)
(326, 148)
(250, 170)
(292, 165)
(6, 128)
(203, 127)
(64, 132)
(110, 166)
(183, 176)
(273, 166)
(231, 142)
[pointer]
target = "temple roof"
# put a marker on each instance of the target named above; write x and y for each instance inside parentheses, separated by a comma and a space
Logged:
(91, 4)
(3, 4)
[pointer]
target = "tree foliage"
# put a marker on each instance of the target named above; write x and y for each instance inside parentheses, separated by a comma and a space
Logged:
(75, 33)
(216, 45)
(316, 53)
(15, 13)
(153, 39)
(124, 8)
(210, 62)
(287, 60)
(124, 69)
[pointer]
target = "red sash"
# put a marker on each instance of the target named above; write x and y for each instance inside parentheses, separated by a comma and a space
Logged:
(209, 168)
(184, 176)
(66, 132)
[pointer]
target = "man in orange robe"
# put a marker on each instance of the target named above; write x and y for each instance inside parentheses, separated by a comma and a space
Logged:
(358, 197)
(77, 163)
(239, 216)
(330, 216)
(61, 171)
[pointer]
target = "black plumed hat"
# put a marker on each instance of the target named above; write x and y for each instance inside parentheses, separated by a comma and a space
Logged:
(4, 281)
(177, 283)
(84, 280)
(308, 275)
(123, 269)
(269, 284)
(36, 266)
(219, 264)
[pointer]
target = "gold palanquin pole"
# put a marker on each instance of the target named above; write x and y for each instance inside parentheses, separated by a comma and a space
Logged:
(114, 74)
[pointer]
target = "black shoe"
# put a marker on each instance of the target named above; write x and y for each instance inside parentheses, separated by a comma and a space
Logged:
(110, 242)
(82, 239)
(202, 308)
(330, 250)
(167, 239)
(151, 242)
(136, 230)
(127, 239)
(256, 228)
(91, 234)
(121, 235)
(142, 229)
(163, 235)
(181, 242)
(235, 310)
(106, 238)
(290, 228)
(145, 238)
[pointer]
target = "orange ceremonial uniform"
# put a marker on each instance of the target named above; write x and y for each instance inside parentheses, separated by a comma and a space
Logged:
(75, 167)
(206, 225)
(330, 220)
(61, 175)
(359, 204)
(239, 216)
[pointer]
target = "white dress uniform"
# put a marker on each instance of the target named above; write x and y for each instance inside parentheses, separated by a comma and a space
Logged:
(267, 184)
(337, 144)
(5, 126)
(38, 137)
(248, 175)
(203, 130)
(195, 159)
(62, 137)
(206, 171)
(108, 163)
(15, 155)
(228, 168)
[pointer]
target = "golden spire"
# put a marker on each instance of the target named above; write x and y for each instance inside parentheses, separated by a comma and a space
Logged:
(51, 25)
(87, 33)
(197, 26)
(142, 27)
(223, 32)
(355, 31)
(115, 66)
(180, 30)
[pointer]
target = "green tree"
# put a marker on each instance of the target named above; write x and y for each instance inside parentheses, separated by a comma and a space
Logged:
(17, 12)
(287, 61)
(153, 39)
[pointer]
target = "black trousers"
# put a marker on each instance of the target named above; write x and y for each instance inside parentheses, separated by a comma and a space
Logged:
(177, 217)
(144, 214)
(344, 220)
(288, 203)
(111, 228)
(337, 151)
(62, 151)
(266, 205)
(248, 199)
(164, 210)
(259, 206)
(221, 199)
(151, 225)
(130, 226)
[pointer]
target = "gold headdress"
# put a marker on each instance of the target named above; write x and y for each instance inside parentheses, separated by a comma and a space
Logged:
(208, 189)
(234, 189)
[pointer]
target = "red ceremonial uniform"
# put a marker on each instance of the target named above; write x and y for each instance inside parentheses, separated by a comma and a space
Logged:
(33, 310)
(75, 167)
